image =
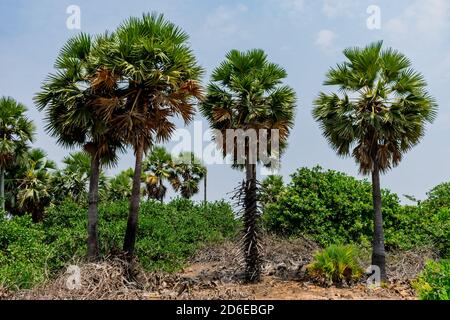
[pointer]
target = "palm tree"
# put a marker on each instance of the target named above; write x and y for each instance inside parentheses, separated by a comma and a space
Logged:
(78, 162)
(71, 98)
(158, 167)
(67, 185)
(72, 181)
(119, 187)
(380, 114)
(189, 172)
(34, 193)
(16, 131)
(246, 93)
(159, 80)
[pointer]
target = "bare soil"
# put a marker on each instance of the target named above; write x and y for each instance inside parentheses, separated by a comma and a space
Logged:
(215, 273)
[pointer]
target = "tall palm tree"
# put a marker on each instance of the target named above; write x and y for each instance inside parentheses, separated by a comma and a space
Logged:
(379, 115)
(158, 167)
(16, 131)
(159, 77)
(189, 172)
(70, 98)
(34, 192)
(246, 93)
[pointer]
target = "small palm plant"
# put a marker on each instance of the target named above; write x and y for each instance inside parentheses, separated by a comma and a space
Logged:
(246, 93)
(336, 264)
(379, 115)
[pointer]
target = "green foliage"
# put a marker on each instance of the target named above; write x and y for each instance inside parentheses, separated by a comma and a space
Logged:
(336, 264)
(381, 107)
(328, 206)
(247, 91)
(23, 253)
(434, 282)
(168, 235)
(426, 224)
(331, 207)
(271, 189)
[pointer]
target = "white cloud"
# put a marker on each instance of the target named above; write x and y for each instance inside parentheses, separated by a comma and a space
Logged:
(325, 40)
(223, 20)
(335, 8)
(292, 5)
(427, 20)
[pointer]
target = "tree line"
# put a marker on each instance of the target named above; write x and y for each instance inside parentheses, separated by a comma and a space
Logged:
(124, 90)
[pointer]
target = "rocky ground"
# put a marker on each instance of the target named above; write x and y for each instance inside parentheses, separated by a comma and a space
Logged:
(215, 273)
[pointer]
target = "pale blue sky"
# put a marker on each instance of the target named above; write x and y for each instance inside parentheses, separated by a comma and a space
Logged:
(306, 37)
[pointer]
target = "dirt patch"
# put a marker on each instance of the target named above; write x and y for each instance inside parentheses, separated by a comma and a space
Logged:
(215, 272)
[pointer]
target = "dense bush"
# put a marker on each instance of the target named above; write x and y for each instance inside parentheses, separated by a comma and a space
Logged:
(336, 264)
(167, 235)
(331, 207)
(434, 281)
(24, 254)
(328, 206)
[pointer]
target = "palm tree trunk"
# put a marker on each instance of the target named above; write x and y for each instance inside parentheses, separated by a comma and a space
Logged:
(251, 252)
(92, 243)
(378, 251)
(130, 234)
(2, 189)
(161, 199)
(205, 183)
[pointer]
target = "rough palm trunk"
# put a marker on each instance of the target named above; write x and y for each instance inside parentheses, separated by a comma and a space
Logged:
(205, 183)
(92, 242)
(161, 196)
(130, 234)
(37, 214)
(2, 189)
(251, 252)
(378, 251)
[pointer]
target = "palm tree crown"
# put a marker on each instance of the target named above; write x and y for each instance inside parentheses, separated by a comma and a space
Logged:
(158, 167)
(16, 131)
(382, 110)
(246, 92)
(189, 172)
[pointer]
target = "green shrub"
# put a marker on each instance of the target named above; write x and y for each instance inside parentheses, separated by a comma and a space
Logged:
(336, 264)
(328, 206)
(168, 234)
(331, 207)
(24, 255)
(434, 281)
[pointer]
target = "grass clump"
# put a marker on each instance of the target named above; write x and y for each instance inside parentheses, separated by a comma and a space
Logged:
(336, 264)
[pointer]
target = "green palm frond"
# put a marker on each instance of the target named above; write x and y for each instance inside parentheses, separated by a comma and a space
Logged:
(246, 92)
(382, 108)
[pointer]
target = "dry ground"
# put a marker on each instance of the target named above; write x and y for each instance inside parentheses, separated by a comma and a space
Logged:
(215, 273)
